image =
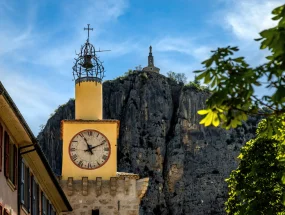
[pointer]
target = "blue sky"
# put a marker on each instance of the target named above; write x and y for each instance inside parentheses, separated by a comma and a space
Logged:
(38, 39)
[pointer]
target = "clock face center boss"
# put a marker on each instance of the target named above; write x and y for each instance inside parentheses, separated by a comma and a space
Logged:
(89, 149)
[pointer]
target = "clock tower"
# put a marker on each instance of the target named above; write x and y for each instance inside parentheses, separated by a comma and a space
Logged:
(89, 151)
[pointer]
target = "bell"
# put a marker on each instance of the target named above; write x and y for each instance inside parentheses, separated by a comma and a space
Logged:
(87, 62)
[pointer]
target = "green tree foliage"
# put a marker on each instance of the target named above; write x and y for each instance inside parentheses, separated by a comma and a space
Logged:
(196, 81)
(178, 77)
(130, 71)
(232, 82)
(197, 85)
(139, 68)
(257, 185)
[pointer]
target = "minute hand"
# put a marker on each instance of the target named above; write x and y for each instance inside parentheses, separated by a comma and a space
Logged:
(95, 146)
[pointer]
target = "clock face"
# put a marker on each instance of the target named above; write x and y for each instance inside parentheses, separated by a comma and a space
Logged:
(89, 149)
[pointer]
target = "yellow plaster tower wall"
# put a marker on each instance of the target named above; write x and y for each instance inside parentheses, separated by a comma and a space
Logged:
(88, 99)
(110, 128)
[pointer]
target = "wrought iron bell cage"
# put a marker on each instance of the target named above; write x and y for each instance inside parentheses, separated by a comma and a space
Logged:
(87, 64)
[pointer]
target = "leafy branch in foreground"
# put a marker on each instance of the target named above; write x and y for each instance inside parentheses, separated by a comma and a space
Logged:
(233, 82)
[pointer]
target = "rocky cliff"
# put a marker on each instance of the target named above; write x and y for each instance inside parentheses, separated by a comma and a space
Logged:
(160, 137)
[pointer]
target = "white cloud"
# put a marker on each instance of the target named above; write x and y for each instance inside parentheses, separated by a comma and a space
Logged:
(120, 48)
(35, 99)
(246, 18)
(12, 41)
(98, 12)
(184, 45)
(181, 45)
(5, 6)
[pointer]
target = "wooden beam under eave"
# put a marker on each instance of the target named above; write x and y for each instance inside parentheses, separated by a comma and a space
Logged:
(12, 123)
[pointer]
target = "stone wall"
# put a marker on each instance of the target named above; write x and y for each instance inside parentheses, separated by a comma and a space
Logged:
(119, 196)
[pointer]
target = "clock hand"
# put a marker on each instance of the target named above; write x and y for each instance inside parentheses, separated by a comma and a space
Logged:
(95, 146)
(88, 146)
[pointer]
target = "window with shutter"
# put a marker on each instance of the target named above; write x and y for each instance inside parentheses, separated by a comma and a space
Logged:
(25, 186)
(27, 189)
(15, 181)
(6, 154)
(48, 207)
(35, 197)
(22, 188)
(1, 147)
(10, 160)
(44, 204)
(53, 211)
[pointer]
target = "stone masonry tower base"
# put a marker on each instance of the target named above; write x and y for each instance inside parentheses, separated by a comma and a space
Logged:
(120, 195)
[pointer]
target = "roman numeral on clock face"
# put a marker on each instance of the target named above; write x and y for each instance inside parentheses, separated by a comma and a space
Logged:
(74, 157)
(89, 165)
(80, 163)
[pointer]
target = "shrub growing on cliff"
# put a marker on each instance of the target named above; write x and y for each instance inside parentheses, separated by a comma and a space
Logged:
(198, 86)
(178, 77)
(256, 187)
(232, 81)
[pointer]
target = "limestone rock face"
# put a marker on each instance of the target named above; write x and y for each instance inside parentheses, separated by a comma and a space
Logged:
(160, 138)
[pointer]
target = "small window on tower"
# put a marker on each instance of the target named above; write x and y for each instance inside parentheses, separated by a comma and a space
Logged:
(95, 212)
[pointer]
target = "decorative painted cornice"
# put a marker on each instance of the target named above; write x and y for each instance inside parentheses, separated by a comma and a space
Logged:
(88, 79)
(90, 121)
(123, 175)
(76, 121)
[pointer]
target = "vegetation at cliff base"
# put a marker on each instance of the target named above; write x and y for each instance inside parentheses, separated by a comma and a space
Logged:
(257, 185)
(232, 81)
